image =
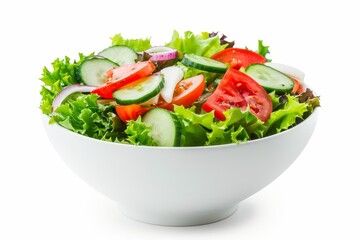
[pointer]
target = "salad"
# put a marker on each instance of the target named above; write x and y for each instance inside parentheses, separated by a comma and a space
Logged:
(195, 90)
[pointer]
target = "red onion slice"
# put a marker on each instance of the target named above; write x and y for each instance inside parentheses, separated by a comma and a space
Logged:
(70, 90)
(162, 53)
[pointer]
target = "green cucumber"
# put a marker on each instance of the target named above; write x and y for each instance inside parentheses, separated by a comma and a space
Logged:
(120, 54)
(139, 91)
(270, 78)
(165, 127)
(204, 63)
(92, 71)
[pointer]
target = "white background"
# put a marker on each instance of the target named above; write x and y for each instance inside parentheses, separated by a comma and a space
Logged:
(316, 198)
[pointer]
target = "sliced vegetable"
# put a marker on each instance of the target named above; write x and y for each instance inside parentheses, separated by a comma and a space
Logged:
(130, 112)
(238, 57)
(172, 76)
(92, 71)
(139, 91)
(298, 87)
(68, 91)
(120, 54)
(270, 78)
(123, 75)
(204, 63)
(152, 101)
(186, 92)
(162, 53)
(288, 70)
(237, 90)
(165, 127)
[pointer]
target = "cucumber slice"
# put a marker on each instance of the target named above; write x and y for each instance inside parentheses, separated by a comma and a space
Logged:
(139, 91)
(120, 54)
(204, 63)
(270, 78)
(166, 128)
(92, 71)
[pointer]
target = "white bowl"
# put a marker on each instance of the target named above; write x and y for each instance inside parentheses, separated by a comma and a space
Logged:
(180, 186)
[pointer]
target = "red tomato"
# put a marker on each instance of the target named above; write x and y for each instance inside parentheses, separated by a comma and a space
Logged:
(238, 57)
(238, 90)
(122, 76)
(130, 112)
(298, 87)
(186, 92)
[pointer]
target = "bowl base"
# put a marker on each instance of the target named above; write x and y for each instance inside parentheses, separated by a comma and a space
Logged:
(181, 219)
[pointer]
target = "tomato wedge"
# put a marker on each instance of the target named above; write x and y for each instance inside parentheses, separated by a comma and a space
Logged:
(238, 57)
(298, 87)
(130, 112)
(186, 92)
(238, 90)
(123, 75)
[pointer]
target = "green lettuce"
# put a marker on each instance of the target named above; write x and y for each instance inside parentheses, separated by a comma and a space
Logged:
(204, 129)
(138, 133)
(62, 75)
(239, 126)
(286, 116)
(201, 44)
(263, 50)
(138, 45)
(311, 100)
(81, 113)
(194, 126)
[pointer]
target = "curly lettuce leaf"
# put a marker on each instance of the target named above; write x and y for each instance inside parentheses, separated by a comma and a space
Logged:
(81, 113)
(205, 129)
(62, 75)
(238, 126)
(263, 50)
(201, 44)
(286, 117)
(138, 133)
(225, 135)
(194, 126)
(310, 99)
(139, 45)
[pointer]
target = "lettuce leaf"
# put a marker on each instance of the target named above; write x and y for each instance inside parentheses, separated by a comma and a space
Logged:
(223, 40)
(239, 126)
(201, 44)
(138, 133)
(62, 75)
(263, 50)
(139, 45)
(312, 101)
(81, 113)
(204, 129)
(194, 126)
(286, 117)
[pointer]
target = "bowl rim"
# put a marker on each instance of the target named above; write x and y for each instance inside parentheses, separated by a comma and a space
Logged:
(314, 114)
